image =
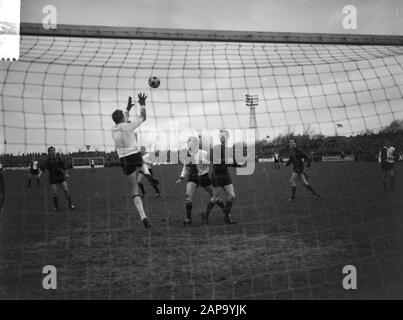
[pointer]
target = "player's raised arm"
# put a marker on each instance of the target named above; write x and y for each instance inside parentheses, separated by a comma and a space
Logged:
(142, 101)
(129, 106)
(143, 115)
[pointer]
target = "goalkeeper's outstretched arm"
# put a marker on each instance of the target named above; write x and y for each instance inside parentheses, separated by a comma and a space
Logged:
(143, 114)
(142, 101)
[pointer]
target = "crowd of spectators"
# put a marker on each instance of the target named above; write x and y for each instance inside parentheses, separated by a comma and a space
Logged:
(363, 147)
(23, 161)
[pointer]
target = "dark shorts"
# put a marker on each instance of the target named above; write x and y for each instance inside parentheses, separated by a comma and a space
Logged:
(276, 161)
(56, 180)
(34, 172)
(221, 180)
(201, 181)
(131, 163)
(386, 166)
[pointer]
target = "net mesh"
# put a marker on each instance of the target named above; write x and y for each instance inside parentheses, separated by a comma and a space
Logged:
(64, 89)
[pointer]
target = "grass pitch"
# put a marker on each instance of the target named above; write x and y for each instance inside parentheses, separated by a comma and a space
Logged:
(278, 250)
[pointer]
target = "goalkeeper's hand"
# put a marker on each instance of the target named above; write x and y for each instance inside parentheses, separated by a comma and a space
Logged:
(130, 104)
(178, 181)
(142, 99)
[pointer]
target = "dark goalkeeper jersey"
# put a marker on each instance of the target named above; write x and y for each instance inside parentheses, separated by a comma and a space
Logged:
(55, 167)
(297, 158)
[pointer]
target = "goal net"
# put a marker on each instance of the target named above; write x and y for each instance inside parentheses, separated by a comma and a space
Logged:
(85, 163)
(64, 88)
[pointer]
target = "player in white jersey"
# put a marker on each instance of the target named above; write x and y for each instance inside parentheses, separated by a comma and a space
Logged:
(197, 170)
(92, 165)
(33, 172)
(147, 162)
(129, 151)
(276, 158)
(387, 161)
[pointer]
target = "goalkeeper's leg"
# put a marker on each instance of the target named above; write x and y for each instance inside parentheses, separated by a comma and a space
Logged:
(138, 203)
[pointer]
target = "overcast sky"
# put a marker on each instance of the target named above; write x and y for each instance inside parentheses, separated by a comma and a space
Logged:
(68, 102)
(324, 16)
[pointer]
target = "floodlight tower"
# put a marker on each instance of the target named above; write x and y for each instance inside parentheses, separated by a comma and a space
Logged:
(252, 101)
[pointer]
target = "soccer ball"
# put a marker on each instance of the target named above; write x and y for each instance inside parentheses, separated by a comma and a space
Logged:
(154, 82)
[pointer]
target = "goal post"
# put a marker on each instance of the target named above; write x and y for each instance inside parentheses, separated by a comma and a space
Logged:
(85, 163)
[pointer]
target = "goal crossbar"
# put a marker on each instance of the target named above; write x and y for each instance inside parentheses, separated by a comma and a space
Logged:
(63, 30)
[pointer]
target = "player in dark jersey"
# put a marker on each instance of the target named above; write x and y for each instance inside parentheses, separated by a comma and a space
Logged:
(197, 171)
(221, 177)
(297, 158)
(58, 174)
(387, 161)
(33, 172)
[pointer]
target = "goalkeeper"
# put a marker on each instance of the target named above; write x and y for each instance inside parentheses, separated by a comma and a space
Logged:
(125, 138)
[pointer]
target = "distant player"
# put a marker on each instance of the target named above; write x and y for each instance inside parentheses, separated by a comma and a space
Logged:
(197, 172)
(92, 164)
(276, 157)
(128, 150)
(221, 179)
(297, 158)
(387, 161)
(147, 162)
(33, 172)
(58, 174)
